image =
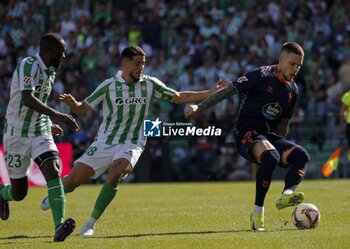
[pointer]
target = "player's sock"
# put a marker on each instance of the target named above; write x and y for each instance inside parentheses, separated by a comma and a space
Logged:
(105, 197)
(57, 200)
(6, 192)
(297, 160)
(269, 161)
(91, 222)
(258, 209)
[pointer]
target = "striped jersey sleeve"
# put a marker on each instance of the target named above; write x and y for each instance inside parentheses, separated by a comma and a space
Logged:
(99, 94)
(161, 90)
(26, 73)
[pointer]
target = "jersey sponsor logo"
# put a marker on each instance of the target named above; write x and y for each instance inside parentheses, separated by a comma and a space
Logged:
(131, 101)
(242, 79)
(26, 80)
(272, 111)
(42, 89)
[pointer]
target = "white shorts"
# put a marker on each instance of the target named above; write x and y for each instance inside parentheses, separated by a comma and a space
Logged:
(99, 156)
(20, 150)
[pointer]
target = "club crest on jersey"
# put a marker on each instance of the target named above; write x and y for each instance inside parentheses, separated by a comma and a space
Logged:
(26, 80)
(242, 79)
(131, 101)
(272, 111)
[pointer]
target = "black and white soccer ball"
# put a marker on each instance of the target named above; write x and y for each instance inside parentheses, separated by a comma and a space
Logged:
(306, 216)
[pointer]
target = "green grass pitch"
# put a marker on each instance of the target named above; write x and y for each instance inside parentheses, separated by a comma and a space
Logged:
(184, 215)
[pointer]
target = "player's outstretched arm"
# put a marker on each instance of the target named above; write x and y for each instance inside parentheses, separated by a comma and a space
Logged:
(77, 107)
(186, 97)
(195, 110)
(34, 103)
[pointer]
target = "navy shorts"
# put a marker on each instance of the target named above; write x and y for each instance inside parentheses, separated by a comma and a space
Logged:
(246, 138)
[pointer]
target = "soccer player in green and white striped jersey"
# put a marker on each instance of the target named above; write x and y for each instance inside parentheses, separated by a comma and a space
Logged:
(127, 100)
(28, 131)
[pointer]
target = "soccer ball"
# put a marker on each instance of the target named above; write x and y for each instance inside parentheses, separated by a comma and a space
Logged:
(306, 216)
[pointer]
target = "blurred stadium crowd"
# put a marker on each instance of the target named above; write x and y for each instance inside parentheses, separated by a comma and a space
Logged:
(190, 44)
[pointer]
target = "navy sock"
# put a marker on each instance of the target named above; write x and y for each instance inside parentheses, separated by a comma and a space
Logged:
(269, 161)
(297, 160)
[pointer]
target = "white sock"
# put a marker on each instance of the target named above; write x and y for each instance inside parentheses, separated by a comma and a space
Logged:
(91, 222)
(258, 209)
(288, 192)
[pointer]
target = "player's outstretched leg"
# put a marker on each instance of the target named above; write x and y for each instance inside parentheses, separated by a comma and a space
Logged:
(105, 197)
(4, 205)
(64, 229)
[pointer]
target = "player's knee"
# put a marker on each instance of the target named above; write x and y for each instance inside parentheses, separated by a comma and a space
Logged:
(299, 156)
(270, 158)
(117, 171)
(49, 164)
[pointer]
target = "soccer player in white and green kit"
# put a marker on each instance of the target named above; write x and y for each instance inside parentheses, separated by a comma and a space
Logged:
(127, 100)
(28, 132)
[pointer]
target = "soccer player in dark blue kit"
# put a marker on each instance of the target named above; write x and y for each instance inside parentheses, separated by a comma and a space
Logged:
(268, 96)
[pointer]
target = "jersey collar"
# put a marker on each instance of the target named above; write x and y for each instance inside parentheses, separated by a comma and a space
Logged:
(119, 77)
(41, 63)
(275, 72)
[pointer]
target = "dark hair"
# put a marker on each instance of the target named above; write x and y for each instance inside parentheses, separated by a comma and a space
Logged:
(292, 47)
(131, 51)
(49, 41)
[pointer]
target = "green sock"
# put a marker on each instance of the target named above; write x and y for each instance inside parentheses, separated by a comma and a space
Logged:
(6, 193)
(105, 197)
(57, 200)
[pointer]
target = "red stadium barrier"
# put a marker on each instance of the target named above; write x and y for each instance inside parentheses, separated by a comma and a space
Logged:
(35, 177)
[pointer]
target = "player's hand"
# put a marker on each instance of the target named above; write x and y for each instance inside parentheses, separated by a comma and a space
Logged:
(57, 130)
(220, 84)
(191, 111)
(68, 99)
(68, 120)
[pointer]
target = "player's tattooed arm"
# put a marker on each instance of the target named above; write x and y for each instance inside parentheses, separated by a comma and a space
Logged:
(282, 127)
(215, 98)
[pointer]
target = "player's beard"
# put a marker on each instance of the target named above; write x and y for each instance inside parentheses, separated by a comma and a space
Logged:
(134, 77)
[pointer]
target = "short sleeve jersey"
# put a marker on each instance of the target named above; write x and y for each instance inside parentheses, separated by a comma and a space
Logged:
(265, 99)
(30, 74)
(125, 107)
